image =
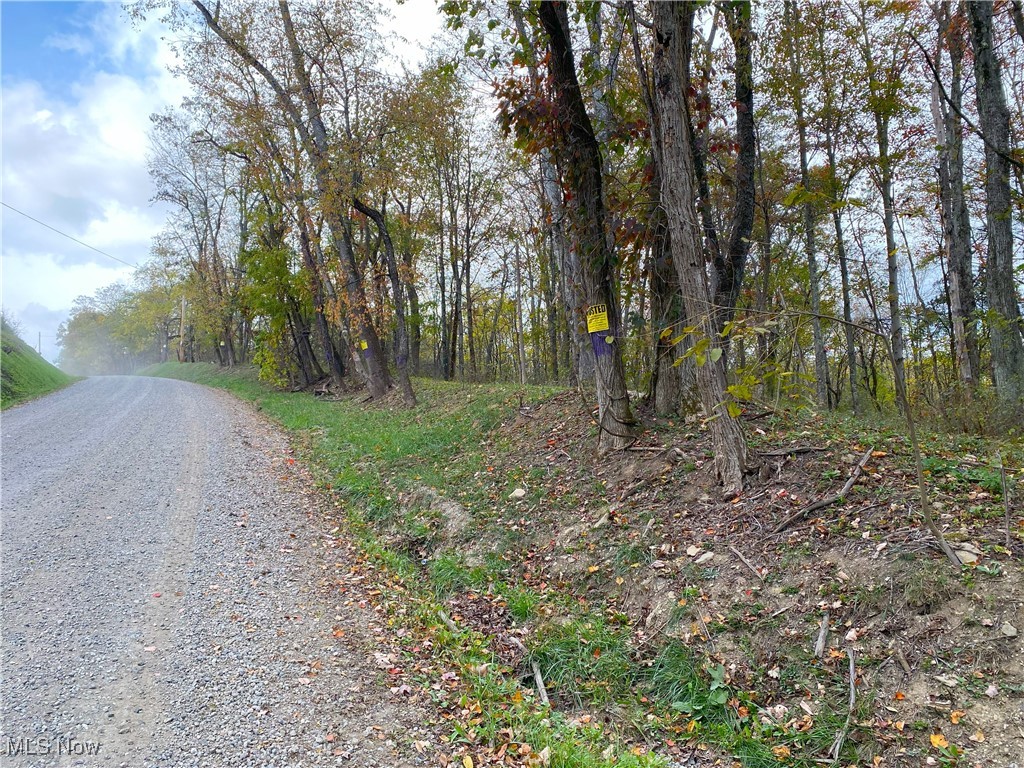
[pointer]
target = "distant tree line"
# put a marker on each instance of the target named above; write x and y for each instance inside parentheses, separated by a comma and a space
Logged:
(714, 208)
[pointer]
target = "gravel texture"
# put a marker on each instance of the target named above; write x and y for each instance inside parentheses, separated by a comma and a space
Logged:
(169, 593)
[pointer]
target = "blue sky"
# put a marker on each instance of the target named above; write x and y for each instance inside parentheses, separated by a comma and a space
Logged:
(79, 82)
(59, 32)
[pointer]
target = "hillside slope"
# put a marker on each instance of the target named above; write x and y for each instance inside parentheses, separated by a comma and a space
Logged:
(813, 620)
(24, 373)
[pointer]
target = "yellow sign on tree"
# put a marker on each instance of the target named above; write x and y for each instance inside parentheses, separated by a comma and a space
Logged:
(597, 318)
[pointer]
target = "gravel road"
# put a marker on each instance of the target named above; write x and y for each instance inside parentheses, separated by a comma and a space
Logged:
(170, 594)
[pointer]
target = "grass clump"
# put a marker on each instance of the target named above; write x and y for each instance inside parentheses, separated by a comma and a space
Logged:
(522, 603)
(930, 587)
(449, 574)
(585, 659)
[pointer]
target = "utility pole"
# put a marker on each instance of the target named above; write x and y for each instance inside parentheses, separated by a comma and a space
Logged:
(39, 344)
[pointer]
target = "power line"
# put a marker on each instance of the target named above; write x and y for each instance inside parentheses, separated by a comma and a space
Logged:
(69, 237)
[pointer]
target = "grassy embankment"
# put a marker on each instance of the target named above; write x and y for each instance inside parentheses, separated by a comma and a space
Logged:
(623, 580)
(370, 456)
(24, 373)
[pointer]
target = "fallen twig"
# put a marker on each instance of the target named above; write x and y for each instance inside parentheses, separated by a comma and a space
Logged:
(904, 663)
(538, 678)
(827, 502)
(837, 745)
(797, 449)
(447, 621)
(819, 646)
(542, 692)
(746, 562)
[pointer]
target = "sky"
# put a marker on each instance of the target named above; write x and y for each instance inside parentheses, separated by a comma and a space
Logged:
(79, 82)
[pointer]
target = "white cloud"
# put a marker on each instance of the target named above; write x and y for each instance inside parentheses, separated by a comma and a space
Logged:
(69, 42)
(77, 161)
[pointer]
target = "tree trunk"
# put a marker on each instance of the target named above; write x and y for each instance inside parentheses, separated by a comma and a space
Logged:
(398, 296)
(520, 344)
(810, 241)
(729, 267)
(673, 27)
(994, 118)
(335, 365)
(666, 310)
(318, 149)
(881, 114)
(956, 226)
(566, 273)
(582, 157)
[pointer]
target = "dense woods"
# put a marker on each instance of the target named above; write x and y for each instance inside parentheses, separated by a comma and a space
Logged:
(710, 210)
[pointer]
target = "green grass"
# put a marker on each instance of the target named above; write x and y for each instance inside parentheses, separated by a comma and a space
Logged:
(368, 454)
(23, 373)
(356, 443)
(585, 659)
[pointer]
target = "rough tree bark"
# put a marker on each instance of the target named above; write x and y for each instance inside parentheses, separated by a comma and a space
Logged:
(565, 259)
(666, 310)
(402, 351)
(730, 266)
(792, 15)
(956, 226)
(582, 162)
(673, 29)
(313, 134)
(994, 120)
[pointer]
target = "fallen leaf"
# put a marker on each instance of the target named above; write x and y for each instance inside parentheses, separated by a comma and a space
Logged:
(899, 696)
(955, 715)
(781, 752)
(977, 736)
(467, 762)
(939, 741)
